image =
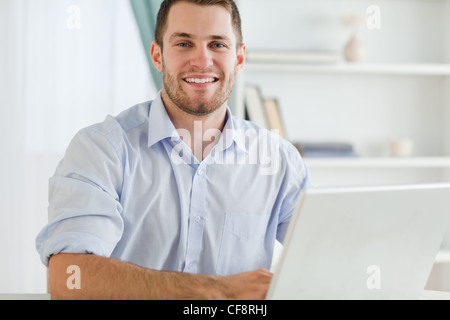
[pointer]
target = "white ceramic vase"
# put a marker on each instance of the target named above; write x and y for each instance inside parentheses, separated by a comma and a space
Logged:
(355, 50)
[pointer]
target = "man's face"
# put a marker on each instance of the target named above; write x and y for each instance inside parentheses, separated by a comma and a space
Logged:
(200, 58)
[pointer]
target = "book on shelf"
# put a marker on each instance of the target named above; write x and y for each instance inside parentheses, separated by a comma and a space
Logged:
(274, 119)
(326, 149)
(262, 111)
(254, 105)
(296, 56)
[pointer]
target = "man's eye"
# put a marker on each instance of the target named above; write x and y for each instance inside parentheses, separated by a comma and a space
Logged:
(183, 44)
(218, 45)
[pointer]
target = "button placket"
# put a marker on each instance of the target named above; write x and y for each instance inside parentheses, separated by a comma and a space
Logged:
(196, 221)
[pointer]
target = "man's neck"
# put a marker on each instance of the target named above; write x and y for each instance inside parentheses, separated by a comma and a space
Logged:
(199, 133)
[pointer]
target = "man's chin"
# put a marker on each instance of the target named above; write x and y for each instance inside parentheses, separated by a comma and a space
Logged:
(200, 109)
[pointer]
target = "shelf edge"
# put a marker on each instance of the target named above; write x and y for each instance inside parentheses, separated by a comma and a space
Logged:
(430, 69)
(419, 162)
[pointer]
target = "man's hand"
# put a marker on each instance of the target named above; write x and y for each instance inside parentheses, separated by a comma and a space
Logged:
(245, 286)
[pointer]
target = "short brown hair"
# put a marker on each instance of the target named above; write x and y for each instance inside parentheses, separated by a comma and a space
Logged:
(161, 22)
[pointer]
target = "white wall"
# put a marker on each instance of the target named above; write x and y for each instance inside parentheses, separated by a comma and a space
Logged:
(54, 80)
(446, 15)
(11, 142)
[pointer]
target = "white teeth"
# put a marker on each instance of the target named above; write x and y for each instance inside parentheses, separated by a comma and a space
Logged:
(204, 80)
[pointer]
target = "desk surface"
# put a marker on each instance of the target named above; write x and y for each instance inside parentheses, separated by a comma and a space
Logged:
(427, 295)
(435, 295)
(39, 296)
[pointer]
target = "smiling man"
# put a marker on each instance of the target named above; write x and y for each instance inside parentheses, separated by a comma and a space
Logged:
(166, 200)
(199, 64)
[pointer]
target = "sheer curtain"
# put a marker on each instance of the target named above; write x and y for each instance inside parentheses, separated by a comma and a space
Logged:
(64, 64)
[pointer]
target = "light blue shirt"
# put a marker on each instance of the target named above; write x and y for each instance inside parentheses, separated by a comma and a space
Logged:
(129, 188)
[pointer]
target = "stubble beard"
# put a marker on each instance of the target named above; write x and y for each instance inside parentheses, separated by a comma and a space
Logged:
(181, 99)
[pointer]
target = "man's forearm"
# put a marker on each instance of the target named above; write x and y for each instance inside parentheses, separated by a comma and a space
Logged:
(105, 278)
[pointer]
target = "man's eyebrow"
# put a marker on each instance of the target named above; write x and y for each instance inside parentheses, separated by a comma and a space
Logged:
(179, 35)
(219, 37)
(189, 36)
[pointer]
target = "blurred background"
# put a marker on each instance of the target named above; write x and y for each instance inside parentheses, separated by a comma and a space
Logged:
(362, 87)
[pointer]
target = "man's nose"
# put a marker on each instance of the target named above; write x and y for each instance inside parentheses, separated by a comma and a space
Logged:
(201, 58)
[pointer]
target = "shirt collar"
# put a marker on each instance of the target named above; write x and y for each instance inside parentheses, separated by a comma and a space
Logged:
(161, 127)
(230, 134)
(238, 134)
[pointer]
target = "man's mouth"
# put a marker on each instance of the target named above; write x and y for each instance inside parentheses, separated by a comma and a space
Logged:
(201, 80)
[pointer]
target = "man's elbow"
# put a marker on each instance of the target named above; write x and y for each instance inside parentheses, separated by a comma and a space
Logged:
(65, 277)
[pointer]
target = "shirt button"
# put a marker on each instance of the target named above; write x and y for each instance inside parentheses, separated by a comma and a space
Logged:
(198, 219)
(200, 172)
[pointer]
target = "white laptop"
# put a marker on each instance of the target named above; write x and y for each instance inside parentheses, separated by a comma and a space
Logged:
(362, 243)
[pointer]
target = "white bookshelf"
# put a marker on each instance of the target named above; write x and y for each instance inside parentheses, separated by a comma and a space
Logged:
(438, 70)
(443, 256)
(406, 79)
(388, 162)
(418, 69)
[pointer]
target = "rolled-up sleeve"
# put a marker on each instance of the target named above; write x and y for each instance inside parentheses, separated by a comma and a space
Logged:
(85, 214)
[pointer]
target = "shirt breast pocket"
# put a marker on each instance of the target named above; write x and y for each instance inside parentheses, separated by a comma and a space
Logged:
(243, 245)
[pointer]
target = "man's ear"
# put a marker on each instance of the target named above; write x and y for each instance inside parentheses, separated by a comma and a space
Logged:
(240, 58)
(156, 54)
